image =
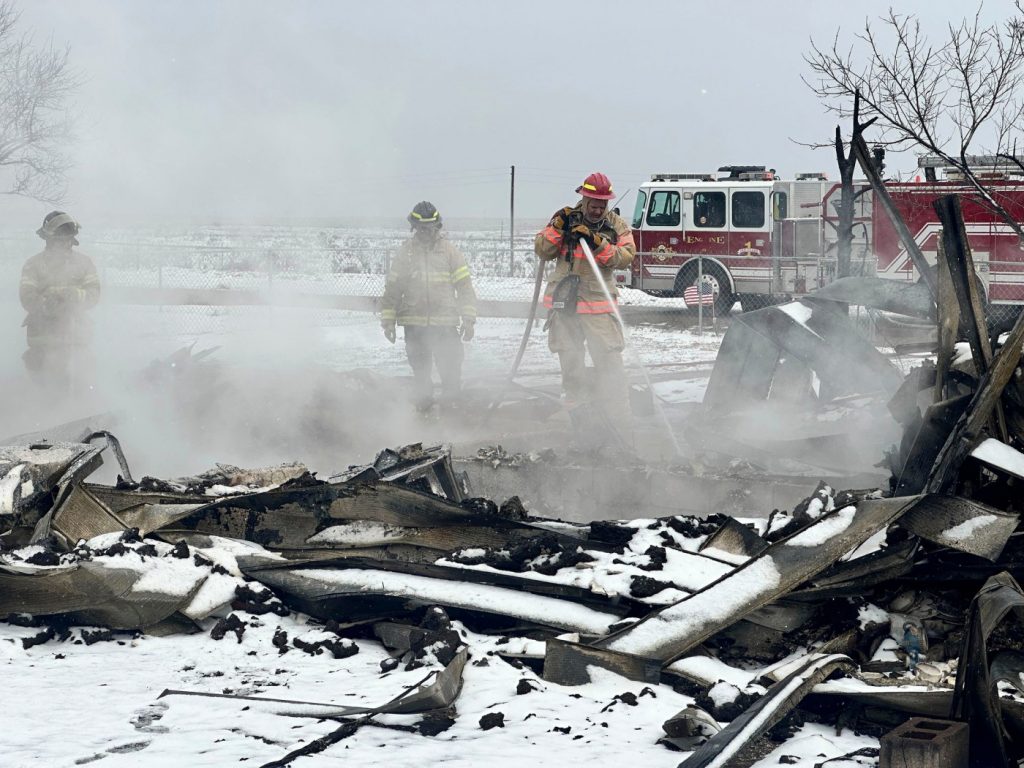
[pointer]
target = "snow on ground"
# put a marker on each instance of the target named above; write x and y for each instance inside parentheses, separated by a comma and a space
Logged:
(79, 703)
(83, 697)
(101, 703)
(811, 745)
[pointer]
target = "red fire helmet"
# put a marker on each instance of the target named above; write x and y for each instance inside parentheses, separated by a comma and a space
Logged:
(597, 186)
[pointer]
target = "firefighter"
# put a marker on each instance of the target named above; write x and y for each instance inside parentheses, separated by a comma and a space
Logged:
(429, 292)
(58, 287)
(580, 317)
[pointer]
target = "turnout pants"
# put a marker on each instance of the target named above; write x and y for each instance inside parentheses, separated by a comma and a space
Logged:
(570, 336)
(59, 364)
(427, 345)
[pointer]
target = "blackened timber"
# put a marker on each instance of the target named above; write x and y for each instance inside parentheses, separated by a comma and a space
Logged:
(920, 453)
(968, 428)
(949, 322)
(867, 165)
(960, 262)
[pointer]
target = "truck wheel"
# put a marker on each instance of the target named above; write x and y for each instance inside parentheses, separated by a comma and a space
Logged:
(713, 274)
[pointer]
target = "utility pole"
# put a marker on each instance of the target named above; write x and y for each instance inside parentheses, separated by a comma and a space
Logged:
(512, 225)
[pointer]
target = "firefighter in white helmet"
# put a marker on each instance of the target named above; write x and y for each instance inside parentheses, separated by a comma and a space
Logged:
(429, 292)
(58, 287)
(581, 319)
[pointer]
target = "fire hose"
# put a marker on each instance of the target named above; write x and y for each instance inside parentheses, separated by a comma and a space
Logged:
(618, 316)
(529, 323)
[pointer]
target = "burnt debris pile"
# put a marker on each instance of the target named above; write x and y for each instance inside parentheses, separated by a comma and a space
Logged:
(856, 608)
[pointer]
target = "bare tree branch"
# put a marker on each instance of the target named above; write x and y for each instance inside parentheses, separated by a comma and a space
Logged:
(959, 97)
(36, 83)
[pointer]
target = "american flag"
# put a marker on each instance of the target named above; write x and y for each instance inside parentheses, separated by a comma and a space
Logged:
(705, 294)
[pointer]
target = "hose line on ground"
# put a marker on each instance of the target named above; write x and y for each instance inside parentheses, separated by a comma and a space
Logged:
(529, 323)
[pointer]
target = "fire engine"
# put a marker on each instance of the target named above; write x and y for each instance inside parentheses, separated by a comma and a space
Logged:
(758, 238)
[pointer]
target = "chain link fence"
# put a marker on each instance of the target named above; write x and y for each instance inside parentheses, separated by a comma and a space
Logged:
(217, 280)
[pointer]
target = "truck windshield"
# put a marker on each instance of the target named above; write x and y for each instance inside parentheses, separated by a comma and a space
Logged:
(638, 211)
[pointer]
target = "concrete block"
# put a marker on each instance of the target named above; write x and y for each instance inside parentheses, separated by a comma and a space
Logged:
(924, 742)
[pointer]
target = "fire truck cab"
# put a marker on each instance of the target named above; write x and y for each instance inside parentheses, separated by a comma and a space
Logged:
(743, 231)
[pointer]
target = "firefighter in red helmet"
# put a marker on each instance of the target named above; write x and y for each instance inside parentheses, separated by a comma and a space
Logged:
(429, 292)
(58, 287)
(580, 317)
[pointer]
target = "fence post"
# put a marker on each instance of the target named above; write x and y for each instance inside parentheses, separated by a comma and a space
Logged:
(512, 225)
(700, 295)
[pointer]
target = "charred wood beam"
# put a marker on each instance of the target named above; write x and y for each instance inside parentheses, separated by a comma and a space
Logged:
(919, 458)
(860, 149)
(949, 322)
(960, 263)
(969, 426)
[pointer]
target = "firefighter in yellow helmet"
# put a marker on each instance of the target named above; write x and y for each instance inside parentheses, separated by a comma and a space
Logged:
(429, 292)
(58, 287)
(580, 317)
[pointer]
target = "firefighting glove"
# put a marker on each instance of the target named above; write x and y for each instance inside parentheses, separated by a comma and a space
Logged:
(59, 295)
(49, 302)
(582, 232)
(560, 217)
(594, 240)
(467, 330)
(389, 331)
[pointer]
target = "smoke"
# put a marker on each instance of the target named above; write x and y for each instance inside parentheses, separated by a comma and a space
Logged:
(273, 384)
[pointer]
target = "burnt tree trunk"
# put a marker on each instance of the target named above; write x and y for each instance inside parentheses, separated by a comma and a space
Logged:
(844, 227)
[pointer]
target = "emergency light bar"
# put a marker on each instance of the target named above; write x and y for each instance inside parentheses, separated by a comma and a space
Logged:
(980, 161)
(682, 177)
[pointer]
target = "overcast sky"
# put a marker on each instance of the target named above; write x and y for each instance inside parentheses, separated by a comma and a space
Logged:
(252, 109)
